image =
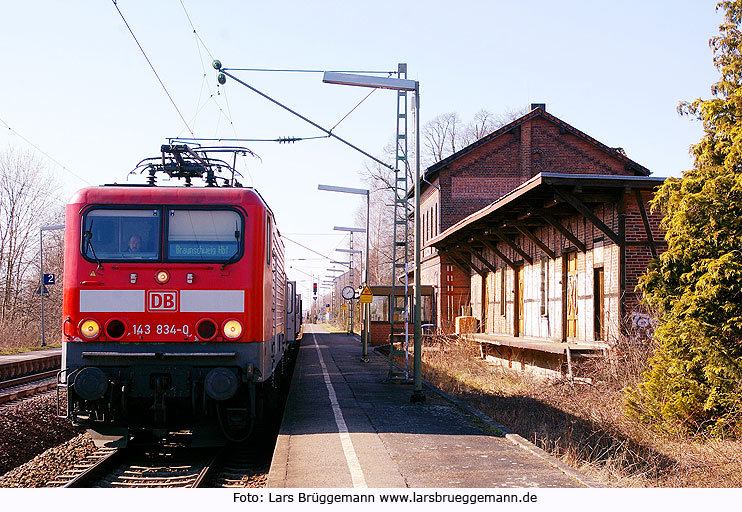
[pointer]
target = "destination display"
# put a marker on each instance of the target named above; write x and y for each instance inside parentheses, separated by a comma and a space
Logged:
(192, 250)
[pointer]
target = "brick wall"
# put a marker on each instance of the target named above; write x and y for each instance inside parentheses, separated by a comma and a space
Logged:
(637, 258)
(476, 179)
(452, 289)
(380, 332)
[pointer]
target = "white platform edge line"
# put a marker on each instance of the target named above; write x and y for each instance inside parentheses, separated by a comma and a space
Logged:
(354, 465)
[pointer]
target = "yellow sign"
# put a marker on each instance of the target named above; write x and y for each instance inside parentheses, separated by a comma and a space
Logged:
(344, 307)
(366, 295)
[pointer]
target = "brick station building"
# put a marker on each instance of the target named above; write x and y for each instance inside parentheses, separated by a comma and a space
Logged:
(540, 232)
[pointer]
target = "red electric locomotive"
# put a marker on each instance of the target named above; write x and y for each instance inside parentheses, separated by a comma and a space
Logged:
(175, 302)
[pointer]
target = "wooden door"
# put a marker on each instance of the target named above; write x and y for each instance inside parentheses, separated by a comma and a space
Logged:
(599, 303)
(572, 303)
(485, 303)
(519, 326)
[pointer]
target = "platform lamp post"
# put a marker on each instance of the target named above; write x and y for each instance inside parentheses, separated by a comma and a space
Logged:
(351, 276)
(400, 84)
(350, 271)
(367, 193)
(334, 277)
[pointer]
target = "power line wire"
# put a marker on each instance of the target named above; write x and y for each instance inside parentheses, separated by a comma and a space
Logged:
(37, 148)
(152, 67)
(305, 247)
(198, 37)
(234, 130)
(351, 110)
(199, 43)
(280, 140)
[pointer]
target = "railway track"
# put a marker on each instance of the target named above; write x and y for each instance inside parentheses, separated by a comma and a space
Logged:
(161, 466)
(175, 464)
(20, 387)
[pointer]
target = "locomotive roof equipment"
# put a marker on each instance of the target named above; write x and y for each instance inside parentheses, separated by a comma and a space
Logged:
(181, 161)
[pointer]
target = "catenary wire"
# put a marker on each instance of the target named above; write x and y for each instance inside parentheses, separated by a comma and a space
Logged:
(198, 36)
(152, 67)
(228, 115)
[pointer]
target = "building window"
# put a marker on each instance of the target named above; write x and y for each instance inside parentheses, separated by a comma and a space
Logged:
(449, 293)
(399, 310)
(544, 286)
(380, 308)
(430, 223)
(426, 309)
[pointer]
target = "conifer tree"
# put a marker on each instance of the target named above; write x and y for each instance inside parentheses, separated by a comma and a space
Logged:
(694, 379)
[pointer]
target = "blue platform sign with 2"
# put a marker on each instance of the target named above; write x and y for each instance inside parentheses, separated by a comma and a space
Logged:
(50, 279)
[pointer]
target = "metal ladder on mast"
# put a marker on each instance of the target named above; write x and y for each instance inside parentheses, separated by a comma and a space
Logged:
(399, 337)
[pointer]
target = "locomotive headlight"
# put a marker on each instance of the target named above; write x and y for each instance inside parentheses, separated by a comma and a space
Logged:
(90, 329)
(232, 329)
(162, 276)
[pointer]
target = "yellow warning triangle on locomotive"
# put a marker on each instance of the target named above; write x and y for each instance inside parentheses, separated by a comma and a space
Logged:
(92, 273)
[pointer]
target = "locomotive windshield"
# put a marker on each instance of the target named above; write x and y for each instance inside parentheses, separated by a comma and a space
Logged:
(122, 234)
(135, 234)
(203, 235)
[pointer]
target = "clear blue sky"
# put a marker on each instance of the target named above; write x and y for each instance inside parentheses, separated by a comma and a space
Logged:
(75, 84)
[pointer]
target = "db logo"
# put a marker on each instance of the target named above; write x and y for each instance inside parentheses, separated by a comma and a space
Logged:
(162, 301)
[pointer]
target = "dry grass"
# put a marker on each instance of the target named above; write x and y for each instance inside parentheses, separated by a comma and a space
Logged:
(23, 335)
(583, 423)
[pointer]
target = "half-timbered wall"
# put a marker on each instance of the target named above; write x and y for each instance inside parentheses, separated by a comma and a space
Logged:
(545, 288)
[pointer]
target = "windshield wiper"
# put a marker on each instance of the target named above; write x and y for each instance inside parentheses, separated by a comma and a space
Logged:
(233, 258)
(89, 244)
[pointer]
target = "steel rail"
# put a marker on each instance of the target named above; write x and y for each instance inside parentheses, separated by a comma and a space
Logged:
(27, 378)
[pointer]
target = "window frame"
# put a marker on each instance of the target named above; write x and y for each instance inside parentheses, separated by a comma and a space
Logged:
(166, 232)
(163, 226)
(83, 222)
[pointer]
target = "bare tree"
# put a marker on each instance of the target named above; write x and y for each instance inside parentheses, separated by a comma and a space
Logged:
(485, 122)
(441, 137)
(26, 204)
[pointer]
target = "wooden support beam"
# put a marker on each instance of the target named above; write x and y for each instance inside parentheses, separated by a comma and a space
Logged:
(533, 238)
(645, 219)
(498, 252)
(472, 265)
(502, 236)
(564, 231)
(483, 260)
(451, 256)
(589, 215)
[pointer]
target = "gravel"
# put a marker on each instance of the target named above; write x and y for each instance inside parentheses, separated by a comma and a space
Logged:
(28, 428)
(54, 461)
(36, 446)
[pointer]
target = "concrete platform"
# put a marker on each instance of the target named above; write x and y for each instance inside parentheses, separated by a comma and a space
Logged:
(345, 426)
(24, 363)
